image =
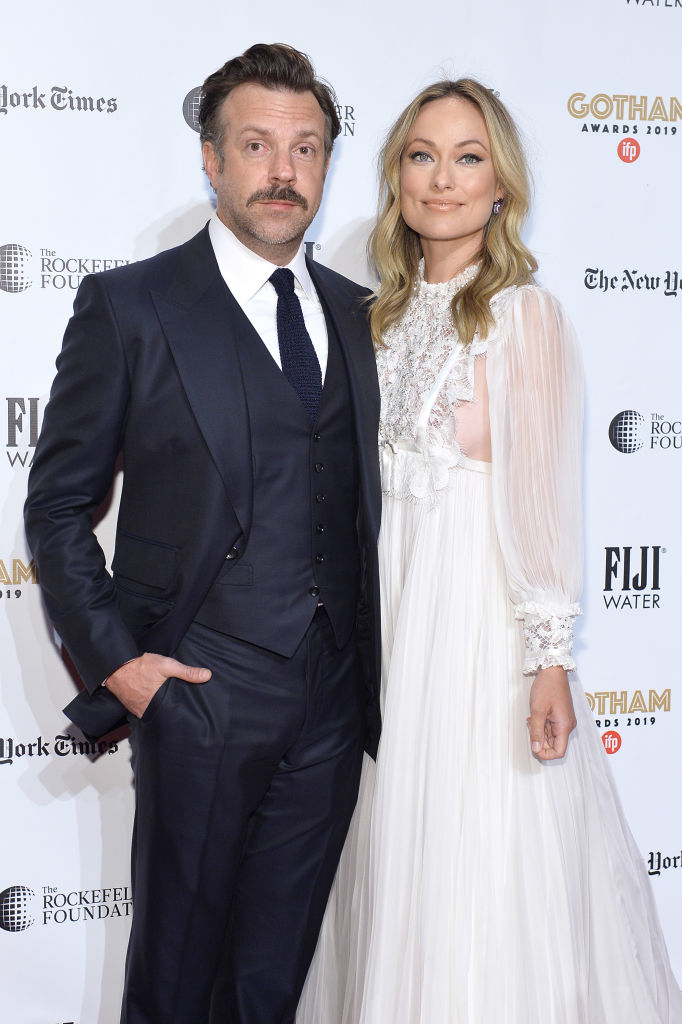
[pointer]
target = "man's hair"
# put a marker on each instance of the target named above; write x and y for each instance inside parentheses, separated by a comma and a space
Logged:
(276, 66)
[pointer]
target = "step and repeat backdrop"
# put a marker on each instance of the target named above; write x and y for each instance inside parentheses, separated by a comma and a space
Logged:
(101, 166)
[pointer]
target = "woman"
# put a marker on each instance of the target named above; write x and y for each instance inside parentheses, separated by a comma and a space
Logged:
(489, 877)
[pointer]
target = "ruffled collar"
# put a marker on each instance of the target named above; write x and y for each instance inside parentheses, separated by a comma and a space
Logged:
(444, 289)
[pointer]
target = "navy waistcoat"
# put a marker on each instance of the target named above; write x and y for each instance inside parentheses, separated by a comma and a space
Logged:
(302, 548)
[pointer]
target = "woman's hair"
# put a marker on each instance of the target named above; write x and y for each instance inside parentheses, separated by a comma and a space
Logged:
(395, 247)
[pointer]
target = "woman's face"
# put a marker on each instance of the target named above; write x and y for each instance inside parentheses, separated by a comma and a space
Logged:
(447, 180)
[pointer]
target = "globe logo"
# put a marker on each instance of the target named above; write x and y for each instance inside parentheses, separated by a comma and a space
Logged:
(14, 268)
(15, 908)
(626, 431)
(190, 108)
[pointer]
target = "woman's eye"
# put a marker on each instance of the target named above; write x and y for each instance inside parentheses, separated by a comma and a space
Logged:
(420, 157)
(470, 159)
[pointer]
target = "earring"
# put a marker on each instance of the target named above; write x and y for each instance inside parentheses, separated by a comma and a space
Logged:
(497, 206)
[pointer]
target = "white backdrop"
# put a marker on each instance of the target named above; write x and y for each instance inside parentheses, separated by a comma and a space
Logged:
(99, 164)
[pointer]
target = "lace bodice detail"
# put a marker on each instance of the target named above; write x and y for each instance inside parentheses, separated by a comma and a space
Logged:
(534, 380)
(420, 349)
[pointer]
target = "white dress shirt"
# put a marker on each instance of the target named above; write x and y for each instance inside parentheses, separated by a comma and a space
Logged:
(247, 275)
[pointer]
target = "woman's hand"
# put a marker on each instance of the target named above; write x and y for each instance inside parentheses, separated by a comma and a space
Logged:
(552, 717)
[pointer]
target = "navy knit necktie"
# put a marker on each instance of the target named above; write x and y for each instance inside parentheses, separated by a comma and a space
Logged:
(299, 361)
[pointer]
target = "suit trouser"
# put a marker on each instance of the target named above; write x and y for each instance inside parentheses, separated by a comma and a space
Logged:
(245, 787)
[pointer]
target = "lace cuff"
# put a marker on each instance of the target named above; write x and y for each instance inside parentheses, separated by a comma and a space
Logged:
(548, 635)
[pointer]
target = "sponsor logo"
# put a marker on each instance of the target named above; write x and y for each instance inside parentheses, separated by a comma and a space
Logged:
(346, 115)
(14, 573)
(16, 908)
(67, 272)
(658, 862)
(628, 150)
(627, 709)
(63, 745)
(626, 114)
(56, 97)
(612, 741)
(654, 3)
(20, 907)
(630, 431)
(190, 108)
(632, 577)
(667, 282)
(19, 270)
(22, 430)
(627, 431)
(15, 267)
(192, 101)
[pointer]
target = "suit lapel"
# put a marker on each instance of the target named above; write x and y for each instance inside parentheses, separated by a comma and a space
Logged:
(199, 324)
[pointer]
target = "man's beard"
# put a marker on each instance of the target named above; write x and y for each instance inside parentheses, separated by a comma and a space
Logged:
(265, 230)
(283, 194)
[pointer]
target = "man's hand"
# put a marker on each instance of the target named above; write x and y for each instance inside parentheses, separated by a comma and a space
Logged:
(136, 682)
(552, 717)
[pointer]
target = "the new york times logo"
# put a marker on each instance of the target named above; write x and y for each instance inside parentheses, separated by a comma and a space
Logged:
(22, 430)
(661, 862)
(59, 98)
(63, 745)
(629, 432)
(20, 907)
(192, 101)
(668, 282)
(632, 577)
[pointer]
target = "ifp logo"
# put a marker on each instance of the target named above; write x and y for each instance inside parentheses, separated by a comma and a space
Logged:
(612, 741)
(629, 150)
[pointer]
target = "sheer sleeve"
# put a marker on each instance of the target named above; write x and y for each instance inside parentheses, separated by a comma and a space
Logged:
(535, 385)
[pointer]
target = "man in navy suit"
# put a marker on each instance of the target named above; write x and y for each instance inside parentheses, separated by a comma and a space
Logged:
(238, 628)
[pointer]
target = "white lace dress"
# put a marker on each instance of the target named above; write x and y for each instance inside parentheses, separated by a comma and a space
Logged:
(477, 885)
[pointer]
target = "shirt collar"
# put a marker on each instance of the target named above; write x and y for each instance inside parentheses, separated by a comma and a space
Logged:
(245, 272)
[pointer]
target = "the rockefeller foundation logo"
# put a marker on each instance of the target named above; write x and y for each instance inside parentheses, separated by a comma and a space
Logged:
(21, 907)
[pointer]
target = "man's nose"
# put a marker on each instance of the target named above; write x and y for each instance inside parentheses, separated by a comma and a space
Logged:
(282, 166)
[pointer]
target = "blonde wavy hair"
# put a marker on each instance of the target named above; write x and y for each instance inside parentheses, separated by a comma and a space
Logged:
(396, 249)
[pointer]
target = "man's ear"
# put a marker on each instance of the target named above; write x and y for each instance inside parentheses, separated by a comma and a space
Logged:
(211, 161)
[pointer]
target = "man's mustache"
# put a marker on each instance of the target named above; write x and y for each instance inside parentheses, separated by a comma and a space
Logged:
(284, 194)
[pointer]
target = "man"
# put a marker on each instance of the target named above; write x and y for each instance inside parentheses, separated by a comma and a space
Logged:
(239, 628)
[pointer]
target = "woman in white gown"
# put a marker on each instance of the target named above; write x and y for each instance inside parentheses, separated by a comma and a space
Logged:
(489, 876)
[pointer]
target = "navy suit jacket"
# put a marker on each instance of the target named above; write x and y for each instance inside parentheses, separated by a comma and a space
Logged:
(149, 370)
